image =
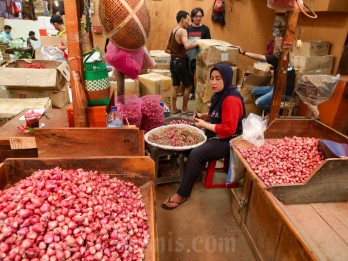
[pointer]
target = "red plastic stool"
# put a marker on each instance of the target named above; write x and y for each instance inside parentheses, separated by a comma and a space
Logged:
(210, 170)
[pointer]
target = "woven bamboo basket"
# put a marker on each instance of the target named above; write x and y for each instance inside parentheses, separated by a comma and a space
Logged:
(125, 22)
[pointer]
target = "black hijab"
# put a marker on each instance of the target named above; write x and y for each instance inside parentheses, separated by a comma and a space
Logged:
(217, 99)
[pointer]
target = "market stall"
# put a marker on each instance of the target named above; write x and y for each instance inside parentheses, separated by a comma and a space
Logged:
(288, 219)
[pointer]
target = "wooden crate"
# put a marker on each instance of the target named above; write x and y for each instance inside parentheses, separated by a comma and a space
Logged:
(278, 221)
(139, 170)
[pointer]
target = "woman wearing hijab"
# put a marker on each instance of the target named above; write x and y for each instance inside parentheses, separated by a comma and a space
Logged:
(221, 123)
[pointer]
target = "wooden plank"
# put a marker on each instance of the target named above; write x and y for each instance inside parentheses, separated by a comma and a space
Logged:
(147, 191)
(8, 153)
(281, 128)
(295, 228)
(18, 143)
(141, 143)
(138, 169)
(236, 207)
(88, 142)
(57, 118)
(328, 184)
(263, 223)
(329, 217)
(290, 248)
(327, 241)
(73, 25)
(340, 210)
(3, 176)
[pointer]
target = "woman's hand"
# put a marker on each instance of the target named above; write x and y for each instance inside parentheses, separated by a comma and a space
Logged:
(240, 50)
(199, 123)
(196, 116)
(202, 116)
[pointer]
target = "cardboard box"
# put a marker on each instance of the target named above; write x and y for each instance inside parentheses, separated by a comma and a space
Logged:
(299, 74)
(200, 106)
(161, 58)
(9, 108)
(265, 67)
(47, 41)
(203, 73)
(164, 72)
(304, 63)
(217, 51)
(154, 83)
(54, 77)
(252, 108)
(59, 99)
(257, 77)
(131, 87)
(312, 48)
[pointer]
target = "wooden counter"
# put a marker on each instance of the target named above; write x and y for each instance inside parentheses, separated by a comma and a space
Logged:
(56, 118)
(296, 222)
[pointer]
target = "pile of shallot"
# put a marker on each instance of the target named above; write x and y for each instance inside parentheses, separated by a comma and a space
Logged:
(72, 215)
(181, 121)
(152, 112)
(176, 136)
(284, 161)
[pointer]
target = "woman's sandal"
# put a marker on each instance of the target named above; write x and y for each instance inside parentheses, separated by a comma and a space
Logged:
(173, 202)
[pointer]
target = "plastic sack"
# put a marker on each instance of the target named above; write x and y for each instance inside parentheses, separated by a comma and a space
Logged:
(315, 89)
(130, 108)
(152, 112)
(331, 149)
(284, 4)
(52, 53)
(253, 129)
(236, 169)
(127, 62)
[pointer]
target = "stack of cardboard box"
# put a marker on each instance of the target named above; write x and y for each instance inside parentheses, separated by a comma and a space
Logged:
(156, 84)
(312, 58)
(51, 81)
(213, 52)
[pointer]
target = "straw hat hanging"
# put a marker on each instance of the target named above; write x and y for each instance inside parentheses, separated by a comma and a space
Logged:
(125, 22)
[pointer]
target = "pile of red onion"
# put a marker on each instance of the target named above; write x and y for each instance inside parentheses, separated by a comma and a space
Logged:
(284, 161)
(152, 112)
(176, 136)
(72, 215)
(181, 122)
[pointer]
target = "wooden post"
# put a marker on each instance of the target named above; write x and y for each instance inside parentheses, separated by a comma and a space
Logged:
(120, 85)
(289, 37)
(72, 23)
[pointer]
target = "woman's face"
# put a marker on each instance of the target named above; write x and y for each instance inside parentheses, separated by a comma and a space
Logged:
(216, 81)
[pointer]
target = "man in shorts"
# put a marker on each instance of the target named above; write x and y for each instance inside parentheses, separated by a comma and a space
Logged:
(177, 45)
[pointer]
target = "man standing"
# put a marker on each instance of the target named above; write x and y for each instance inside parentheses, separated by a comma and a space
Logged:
(177, 45)
(6, 34)
(57, 22)
(195, 31)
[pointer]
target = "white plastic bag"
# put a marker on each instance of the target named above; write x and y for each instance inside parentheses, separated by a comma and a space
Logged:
(52, 53)
(253, 129)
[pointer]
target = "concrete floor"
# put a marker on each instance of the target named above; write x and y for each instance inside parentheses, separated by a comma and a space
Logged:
(203, 228)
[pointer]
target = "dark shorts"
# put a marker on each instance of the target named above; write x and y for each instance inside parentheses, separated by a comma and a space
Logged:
(180, 72)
